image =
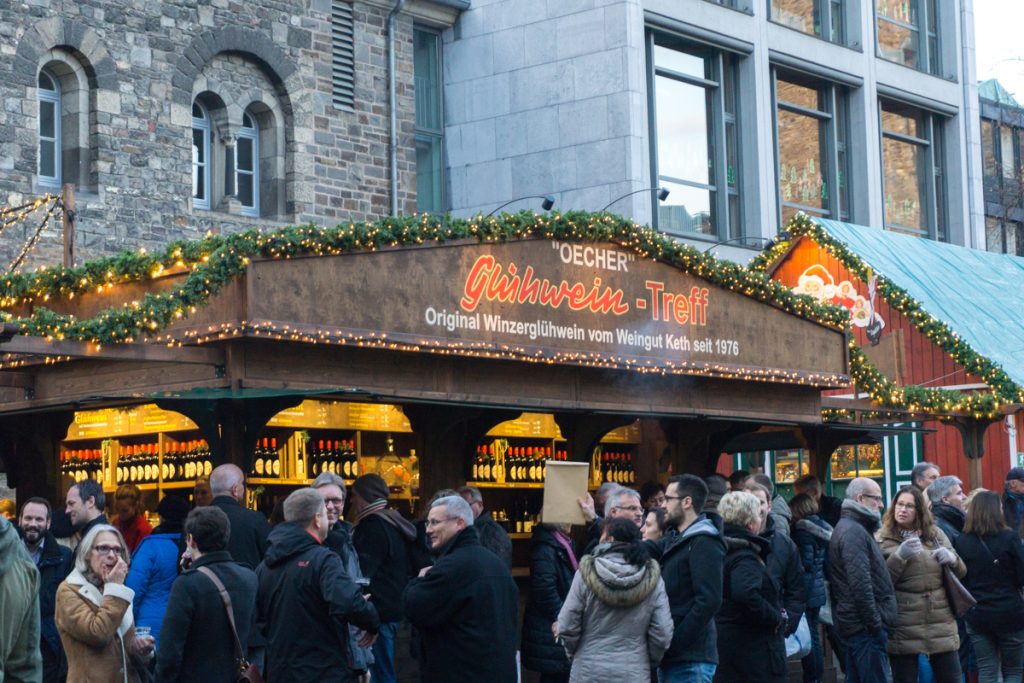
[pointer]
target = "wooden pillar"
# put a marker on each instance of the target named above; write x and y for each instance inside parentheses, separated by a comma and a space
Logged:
(697, 444)
(31, 444)
(448, 438)
(972, 432)
(583, 431)
(820, 442)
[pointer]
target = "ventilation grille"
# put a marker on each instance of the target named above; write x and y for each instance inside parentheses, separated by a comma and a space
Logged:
(343, 66)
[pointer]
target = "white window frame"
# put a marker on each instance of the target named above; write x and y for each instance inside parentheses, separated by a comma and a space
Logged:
(50, 97)
(251, 133)
(202, 124)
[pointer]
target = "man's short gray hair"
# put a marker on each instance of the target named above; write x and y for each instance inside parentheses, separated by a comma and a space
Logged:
(473, 492)
(224, 478)
(328, 478)
(302, 505)
(89, 540)
(858, 487)
(456, 506)
(616, 496)
(942, 487)
(919, 470)
(765, 481)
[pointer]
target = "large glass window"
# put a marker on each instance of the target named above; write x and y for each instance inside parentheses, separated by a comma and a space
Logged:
(912, 160)
(908, 33)
(1004, 236)
(200, 157)
(811, 138)
(695, 142)
(49, 130)
(247, 176)
(822, 18)
(429, 123)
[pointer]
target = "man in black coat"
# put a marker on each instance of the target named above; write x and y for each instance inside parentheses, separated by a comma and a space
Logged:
(249, 529)
(54, 562)
(307, 600)
(783, 560)
(195, 639)
(692, 559)
(492, 535)
(465, 606)
(1013, 500)
(551, 573)
(84, 506)
(863, 597)
(383, 539)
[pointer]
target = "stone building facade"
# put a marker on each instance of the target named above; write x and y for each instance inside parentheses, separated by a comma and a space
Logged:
(180, 117)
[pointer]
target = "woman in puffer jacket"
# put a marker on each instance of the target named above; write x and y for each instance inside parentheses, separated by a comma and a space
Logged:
(811, 534)
(916, 552)
(615, 623)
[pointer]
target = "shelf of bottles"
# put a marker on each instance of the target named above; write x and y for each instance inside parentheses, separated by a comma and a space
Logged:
(143, 445)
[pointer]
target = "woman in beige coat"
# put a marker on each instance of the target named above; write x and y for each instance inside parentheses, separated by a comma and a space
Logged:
(916, 551)
(94, 613)
(615, 623)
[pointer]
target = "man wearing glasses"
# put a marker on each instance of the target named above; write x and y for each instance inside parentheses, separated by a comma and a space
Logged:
(863, 598)
(466, 605)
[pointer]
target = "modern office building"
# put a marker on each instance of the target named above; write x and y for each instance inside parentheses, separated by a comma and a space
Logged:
(1002, 134)
(747, 111)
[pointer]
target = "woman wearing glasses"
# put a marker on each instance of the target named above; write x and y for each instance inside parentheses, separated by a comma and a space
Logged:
(94, 613)
(916, 551)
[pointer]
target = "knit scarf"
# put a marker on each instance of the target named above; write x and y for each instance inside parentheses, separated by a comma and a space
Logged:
(376, 506)
(567, 544)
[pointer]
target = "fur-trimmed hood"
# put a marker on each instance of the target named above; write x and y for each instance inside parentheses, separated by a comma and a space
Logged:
(616, 582)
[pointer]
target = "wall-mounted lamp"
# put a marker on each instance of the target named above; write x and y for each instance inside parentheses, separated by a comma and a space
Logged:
(662, 195)
(549, 201)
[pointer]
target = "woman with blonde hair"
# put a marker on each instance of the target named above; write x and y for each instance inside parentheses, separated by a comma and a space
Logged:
(751, 622)
(917, 552)
(94, 613)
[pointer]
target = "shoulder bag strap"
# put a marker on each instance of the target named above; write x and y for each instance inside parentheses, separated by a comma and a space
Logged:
(226, 599)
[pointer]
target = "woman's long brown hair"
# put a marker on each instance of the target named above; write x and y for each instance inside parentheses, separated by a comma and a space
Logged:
(924, 522)
(985, 515)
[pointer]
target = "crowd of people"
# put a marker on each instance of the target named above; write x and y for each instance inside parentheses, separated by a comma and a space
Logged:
(705, 579)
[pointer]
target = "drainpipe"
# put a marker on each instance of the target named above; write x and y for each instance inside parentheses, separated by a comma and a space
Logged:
(969, 123)
(392, 101)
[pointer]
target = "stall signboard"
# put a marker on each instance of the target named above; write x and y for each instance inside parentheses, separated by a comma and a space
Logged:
(551, 301)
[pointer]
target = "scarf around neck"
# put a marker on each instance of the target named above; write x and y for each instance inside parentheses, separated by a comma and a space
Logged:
(564, 541)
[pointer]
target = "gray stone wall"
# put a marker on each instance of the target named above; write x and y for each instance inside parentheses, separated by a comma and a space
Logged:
(130, 70)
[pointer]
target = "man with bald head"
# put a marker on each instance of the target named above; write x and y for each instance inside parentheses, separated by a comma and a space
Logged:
(247, 541)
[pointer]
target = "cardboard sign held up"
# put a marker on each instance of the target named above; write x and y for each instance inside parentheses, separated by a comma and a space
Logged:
(564, 482)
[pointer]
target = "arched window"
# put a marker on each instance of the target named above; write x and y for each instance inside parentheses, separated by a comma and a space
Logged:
(247, 164)
(49, 130)
(200, 157)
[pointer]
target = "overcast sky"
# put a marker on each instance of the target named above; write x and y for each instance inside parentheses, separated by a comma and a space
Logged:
(998, 24)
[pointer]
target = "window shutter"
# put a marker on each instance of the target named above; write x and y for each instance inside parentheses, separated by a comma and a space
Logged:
(343, 73)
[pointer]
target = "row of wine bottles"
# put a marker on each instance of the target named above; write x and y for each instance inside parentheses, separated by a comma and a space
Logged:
(617, 468)
(520, 464)
(182, 461)
(82, 464)
(326, 455)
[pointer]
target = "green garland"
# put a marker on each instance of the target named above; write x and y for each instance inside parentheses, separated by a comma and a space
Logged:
(214, 261)
(867, 376)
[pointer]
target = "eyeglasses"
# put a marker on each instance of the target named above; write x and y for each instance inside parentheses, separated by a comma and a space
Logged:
(436, 522)
(905, 506)
(874, 497)
(340, 502)
(629, 508)
(107, 549)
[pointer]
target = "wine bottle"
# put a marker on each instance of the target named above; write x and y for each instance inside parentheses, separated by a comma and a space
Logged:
(276, 455)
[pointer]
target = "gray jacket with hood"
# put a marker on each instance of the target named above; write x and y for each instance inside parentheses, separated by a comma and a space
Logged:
(615, 622)
(19, 599)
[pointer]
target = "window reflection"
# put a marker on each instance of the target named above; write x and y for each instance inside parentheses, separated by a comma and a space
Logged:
(904, 183)
(913, 170)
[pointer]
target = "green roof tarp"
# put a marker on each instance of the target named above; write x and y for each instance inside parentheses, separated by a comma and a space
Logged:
(979, 294)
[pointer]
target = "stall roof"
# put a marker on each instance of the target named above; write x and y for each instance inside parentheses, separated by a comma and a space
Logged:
(976, 293)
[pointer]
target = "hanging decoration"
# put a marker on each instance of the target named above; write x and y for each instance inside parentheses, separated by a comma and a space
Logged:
(914, 399)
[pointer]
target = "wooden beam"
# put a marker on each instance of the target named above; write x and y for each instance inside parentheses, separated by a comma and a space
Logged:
(68, 224)
(38, 346)
(17, 380)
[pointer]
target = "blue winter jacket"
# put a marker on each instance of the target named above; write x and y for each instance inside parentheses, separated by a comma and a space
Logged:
(153, 571)
(812, 535)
